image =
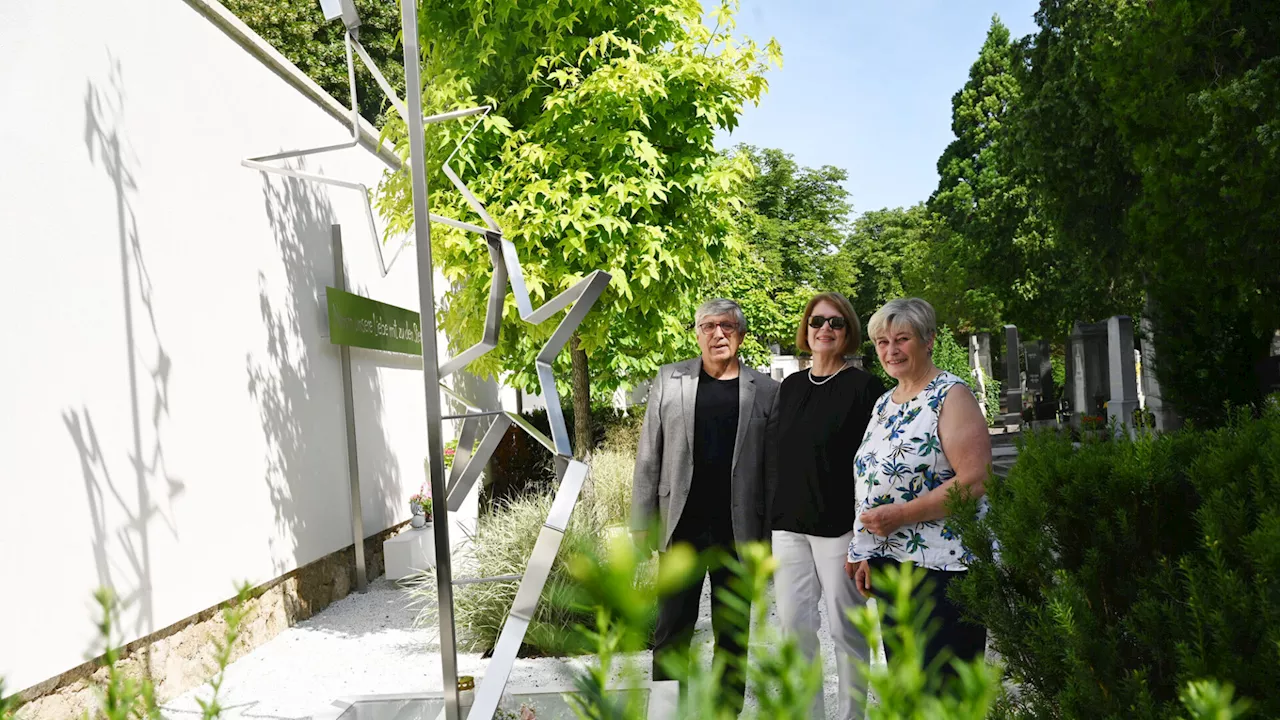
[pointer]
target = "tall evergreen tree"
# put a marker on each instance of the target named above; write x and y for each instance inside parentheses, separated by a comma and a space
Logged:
(1001, 257)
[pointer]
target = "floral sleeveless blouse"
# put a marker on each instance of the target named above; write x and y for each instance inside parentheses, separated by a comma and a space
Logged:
(899, 460)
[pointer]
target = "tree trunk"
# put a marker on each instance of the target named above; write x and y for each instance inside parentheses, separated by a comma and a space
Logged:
(583, 437)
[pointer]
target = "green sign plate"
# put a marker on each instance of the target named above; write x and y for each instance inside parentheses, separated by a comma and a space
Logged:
(360, 322)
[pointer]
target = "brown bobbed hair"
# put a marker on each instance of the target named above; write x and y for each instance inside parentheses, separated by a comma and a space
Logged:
(852, 328)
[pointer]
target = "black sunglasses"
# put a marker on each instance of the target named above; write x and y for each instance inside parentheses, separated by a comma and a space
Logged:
(816, 321)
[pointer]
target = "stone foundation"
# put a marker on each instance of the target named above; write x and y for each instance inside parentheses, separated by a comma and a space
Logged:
(181, 656)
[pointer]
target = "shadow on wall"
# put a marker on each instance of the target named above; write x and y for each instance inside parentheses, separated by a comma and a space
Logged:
(122, 509)
(298, 384)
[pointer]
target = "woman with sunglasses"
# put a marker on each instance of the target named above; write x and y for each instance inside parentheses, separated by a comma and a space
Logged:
(810, 493)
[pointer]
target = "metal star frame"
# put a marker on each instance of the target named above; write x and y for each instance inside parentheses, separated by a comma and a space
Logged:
(470, 458)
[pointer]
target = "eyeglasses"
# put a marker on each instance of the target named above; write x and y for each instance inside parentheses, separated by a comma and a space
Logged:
(817, 321)
(727, 326)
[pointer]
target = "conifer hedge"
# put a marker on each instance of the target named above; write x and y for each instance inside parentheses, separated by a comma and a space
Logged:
(1112, 574)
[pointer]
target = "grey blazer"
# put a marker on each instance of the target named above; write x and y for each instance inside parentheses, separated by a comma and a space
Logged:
(664, 459)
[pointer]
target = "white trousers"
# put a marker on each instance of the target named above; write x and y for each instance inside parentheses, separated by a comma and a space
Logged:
(810, 571)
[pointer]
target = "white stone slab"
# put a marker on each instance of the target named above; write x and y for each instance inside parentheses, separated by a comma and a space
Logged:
(410, 552)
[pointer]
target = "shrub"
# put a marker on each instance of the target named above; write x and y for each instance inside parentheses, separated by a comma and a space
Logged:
(503, 543)
(608, 494)
(521, 465)
(1128, 569)
(906, 687)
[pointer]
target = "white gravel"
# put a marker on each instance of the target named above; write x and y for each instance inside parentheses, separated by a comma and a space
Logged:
(367, 644)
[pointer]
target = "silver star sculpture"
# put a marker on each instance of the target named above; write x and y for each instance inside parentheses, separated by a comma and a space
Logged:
(470, 458)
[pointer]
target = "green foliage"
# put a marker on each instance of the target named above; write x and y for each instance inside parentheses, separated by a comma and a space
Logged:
(885, 256)
(907, 687)
(123, 697)
(8, 704)
(1000, 259)
(502, 545)
(234, 614)
(127, 696)
(792, 223)
(521, 464)
(1151, 132)
(608, 494)
(771, 304)
(298, 30)
(779, 677)
(600, 154)
(799, 215)
(1129, 568)
(1210, 700)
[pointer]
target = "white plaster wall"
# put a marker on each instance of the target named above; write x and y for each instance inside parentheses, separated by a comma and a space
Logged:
(171, 415)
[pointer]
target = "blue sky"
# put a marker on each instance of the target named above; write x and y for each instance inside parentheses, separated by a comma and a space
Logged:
(866, 85)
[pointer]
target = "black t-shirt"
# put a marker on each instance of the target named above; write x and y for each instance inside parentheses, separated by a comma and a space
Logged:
(715, 431)
(819, 430)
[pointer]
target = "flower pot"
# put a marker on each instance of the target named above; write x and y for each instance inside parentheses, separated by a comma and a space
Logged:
(418, 521)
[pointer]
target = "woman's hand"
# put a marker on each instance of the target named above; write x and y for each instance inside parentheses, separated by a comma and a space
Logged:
(861, 577)
(883, 520)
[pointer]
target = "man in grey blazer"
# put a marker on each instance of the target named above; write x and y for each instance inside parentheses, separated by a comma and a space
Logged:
(700, 473)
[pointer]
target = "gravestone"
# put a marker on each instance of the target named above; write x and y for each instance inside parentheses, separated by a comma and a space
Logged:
(1013, 378)
(1165, 417)
(1088, 371)
(1040, 379)
(1031, 355)
(1268, 369)
(1122, 371)
(980, 363)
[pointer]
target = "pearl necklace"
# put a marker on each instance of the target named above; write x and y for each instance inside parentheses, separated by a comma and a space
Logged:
(828, 378)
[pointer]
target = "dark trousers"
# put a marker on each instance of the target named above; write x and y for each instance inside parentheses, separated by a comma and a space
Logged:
(965, 640)
(678, 613)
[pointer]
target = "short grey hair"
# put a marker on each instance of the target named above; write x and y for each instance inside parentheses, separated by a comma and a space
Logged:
(720, 306)
(915, 312)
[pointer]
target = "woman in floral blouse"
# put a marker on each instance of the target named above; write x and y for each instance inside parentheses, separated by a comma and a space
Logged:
(925, 436)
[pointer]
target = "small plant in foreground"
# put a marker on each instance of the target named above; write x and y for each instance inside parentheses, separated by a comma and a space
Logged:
(234, 615)
(124, 697)
(906, 687)
(778, 676)
(8, 704)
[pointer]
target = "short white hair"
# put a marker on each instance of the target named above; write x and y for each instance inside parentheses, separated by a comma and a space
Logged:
(720, 306)
(916, 313)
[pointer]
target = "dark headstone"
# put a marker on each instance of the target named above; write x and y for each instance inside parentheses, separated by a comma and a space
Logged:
(1013, 377)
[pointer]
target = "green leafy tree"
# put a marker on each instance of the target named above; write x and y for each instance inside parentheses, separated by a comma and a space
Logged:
(1151, 131)
(1001, 261)
(885, 256)
(801, 215)
(792, 223)
(599, 155)
(297, 29)
(1071, 150)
